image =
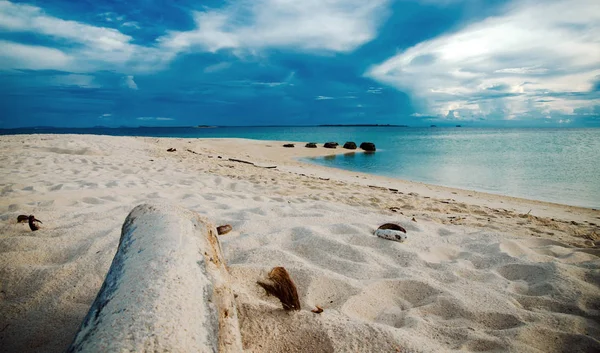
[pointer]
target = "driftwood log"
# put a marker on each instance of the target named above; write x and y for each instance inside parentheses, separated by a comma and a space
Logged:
(167, 289)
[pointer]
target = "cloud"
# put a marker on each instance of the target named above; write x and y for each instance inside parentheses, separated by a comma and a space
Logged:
(129, 82)
(26, 18)
(249, 25)
(76, 46)
(245, 27)
(31, 57)
(131, 24)
(503, 67)
(217, 67)
(152, 118)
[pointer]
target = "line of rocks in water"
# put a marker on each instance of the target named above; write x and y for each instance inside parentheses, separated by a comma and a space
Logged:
(365, 146)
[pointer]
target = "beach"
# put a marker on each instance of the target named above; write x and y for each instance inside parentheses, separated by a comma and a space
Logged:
(478, 272)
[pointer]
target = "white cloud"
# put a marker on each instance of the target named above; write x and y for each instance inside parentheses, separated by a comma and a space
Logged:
(131, 24)
(333, 25)
(129, 82)
(31, 56)
(26, 18)
(502, 66)
(152, 118)
(244, 26)
(217, 67)
(89, 47)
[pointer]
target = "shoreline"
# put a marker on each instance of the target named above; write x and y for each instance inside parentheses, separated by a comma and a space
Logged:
(268, 151)
(574, 225)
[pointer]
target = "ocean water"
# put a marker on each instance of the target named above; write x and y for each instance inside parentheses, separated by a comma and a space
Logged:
(556, 165)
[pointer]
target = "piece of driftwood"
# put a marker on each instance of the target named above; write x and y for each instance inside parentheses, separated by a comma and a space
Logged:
(167, 289)
(280, 285)
(240, 161)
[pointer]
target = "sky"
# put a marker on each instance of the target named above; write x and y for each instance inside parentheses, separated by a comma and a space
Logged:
(289, 62)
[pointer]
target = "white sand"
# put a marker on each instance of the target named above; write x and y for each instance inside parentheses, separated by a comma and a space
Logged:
(496, 277)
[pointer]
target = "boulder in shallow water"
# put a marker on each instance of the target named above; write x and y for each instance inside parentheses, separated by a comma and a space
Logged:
(331, 144)
(368, 146)
(350, 145)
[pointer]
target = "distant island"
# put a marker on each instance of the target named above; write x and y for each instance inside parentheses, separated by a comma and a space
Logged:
(363, 125)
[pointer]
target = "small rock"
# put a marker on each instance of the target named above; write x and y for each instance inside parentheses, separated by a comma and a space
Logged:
(331, 144)
(311, 145)
(413, 219)
(288, 145)
(172, 149)
(368, 146)
(224, 229)
(350, 145)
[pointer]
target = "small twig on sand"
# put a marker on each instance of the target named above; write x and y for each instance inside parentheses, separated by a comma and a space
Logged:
(240, 161)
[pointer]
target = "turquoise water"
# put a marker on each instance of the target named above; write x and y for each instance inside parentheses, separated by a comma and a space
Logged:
(556, 165)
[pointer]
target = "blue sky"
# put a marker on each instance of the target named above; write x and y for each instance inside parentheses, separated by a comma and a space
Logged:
(283, 62)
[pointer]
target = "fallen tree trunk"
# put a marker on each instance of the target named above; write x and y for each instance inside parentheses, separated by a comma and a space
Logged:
(167, 289)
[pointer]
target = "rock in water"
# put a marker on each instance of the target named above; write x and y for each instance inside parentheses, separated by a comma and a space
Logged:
(368, 146)
(311, 145)
(282, 287)
(331, 144)
(350, 145)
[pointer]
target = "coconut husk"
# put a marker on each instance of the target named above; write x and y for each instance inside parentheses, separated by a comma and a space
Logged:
(280, 285)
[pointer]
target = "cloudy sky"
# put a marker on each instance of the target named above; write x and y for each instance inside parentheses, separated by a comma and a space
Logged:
(299, 62)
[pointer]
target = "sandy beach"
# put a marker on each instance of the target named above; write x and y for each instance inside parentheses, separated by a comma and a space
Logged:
(478, 272)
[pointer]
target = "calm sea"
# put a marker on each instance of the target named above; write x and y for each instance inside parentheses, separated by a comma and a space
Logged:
(556, 165)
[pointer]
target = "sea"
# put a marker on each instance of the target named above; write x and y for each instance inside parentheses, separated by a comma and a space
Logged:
(556, 165)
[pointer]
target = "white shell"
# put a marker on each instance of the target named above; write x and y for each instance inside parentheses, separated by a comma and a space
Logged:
(391, 234)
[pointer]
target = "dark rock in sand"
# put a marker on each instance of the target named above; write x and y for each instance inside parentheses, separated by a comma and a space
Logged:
(172, 150)
(224, 229)
(368, 146)
(311, 145)
(288, 145)
(32, 225)
(350, 145)
(331, 144)
(22, 218)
